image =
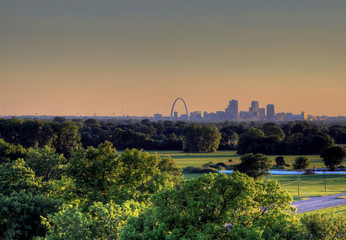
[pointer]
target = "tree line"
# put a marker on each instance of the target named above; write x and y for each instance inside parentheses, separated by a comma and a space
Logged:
(299, 137)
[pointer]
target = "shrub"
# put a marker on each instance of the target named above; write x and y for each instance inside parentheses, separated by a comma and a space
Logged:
(324, 226)
(280, 161)
(309, 172)
(187, 169)
(221, 164)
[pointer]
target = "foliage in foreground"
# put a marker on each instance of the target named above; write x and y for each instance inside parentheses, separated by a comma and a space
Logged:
(20, 214)
(100, 221)
(324, 226)
(202, 207)
(101, 175)
(137, 195)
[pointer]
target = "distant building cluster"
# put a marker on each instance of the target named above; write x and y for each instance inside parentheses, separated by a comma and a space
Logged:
(232, 113)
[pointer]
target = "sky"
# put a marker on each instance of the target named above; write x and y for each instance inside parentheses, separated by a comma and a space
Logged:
(126, 57)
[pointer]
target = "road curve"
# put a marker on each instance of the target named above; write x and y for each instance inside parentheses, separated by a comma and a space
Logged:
(319, 202)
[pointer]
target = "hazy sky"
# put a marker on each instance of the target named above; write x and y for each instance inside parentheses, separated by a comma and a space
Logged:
(135, 57)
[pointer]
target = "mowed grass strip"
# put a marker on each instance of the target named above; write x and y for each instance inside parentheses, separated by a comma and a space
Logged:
(311, 185)
(198, 159)
(337, 211)
(183, 159)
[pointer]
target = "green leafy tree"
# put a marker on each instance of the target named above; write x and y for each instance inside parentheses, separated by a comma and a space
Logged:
(45, 162)
(142, 174)
(338, 133)
(273, 130)
(216, 206)
(301, 163)
(333, 156)
(30, 132)
(94, 171)
(101, 175)
(20, 214)
(68, 137)
(251, 141)
(100, 221)
(319, 141)
(255, 166)
(198, 138)
(10, 152)
(123, 139)
(16, 176)
(10, 130)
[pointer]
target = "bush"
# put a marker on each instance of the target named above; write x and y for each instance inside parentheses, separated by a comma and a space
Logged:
(309, 172)
(280, 161)
(230, 167)
(324, 226)
(215, 166)
(222, 164)
(201, 170)
(187, 169)
(278, 167)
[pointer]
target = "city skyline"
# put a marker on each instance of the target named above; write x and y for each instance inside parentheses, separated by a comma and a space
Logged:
(232, 112)
(134, 57)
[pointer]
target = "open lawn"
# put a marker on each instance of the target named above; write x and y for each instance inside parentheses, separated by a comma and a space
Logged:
(311, 185)
(198, 159)
(337, 211)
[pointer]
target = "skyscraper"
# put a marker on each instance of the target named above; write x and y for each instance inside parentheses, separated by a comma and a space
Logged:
(270, 112)
(232, 108)
(254, 106)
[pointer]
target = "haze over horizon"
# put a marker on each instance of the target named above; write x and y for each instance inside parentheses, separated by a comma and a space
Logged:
(132, 57)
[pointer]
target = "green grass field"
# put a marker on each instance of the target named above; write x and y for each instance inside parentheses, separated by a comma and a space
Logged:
(310, 185)
(198, 159)
(337, 211)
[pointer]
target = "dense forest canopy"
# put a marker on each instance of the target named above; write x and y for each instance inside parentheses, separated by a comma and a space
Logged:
(299, 137)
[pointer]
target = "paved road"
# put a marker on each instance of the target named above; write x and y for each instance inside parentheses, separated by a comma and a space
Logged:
(319, 202)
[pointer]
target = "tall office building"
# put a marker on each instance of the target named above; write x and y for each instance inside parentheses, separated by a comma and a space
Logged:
(254, 106)
(270, 111)
(232, 108)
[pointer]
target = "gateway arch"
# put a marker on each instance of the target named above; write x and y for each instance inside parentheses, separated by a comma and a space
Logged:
(187, 112)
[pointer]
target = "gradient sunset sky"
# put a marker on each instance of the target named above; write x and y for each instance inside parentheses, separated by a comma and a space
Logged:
(69, 57)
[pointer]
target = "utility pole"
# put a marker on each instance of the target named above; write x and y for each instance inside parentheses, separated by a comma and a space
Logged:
(325, 182)
(298, 181)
